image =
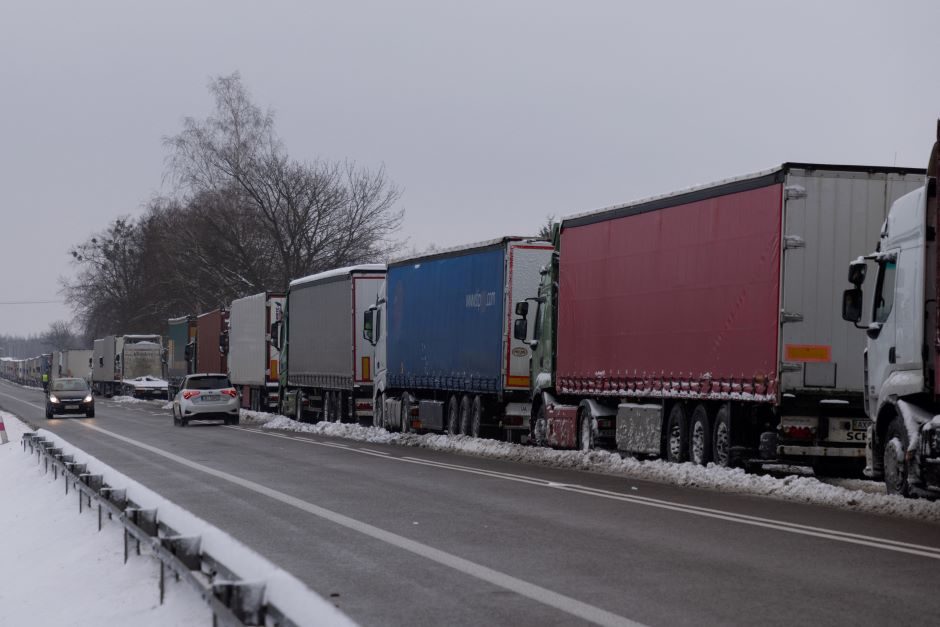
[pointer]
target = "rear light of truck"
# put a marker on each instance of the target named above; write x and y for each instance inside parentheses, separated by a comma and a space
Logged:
(188, 394)
(230, 392)
(799, 433)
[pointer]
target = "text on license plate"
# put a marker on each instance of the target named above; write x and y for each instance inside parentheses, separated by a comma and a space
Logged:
(211, 397)
(71, 406)
(860, 425)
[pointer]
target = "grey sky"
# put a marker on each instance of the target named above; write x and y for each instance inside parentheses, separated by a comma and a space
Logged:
(490, 115)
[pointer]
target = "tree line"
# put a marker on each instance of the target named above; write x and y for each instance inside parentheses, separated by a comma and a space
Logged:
(245, 217)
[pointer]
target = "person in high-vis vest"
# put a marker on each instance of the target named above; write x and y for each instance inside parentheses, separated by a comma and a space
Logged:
(45, 381)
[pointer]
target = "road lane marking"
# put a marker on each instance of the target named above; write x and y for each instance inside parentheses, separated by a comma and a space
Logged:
(745, 519)
(488, 575)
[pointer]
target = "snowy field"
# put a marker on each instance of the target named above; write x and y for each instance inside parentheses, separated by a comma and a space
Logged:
(857, 495)
(56, 568)
(53, 552)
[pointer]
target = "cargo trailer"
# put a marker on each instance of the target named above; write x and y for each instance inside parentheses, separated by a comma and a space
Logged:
(445, 356)
(326, 364)
(212, 341)
(180, 350)
(72, 363)
(704, 325)
(252, 358)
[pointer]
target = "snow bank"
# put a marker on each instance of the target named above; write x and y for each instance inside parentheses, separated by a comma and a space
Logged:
(853, 495)
(56, 568)
(131, 400)
(282, 589)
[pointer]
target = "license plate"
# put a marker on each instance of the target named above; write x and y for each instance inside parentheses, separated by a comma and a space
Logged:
(71, 406)
(860, 425)
(211, 397)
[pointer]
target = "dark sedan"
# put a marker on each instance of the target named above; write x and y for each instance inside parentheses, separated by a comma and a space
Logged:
(69, 396)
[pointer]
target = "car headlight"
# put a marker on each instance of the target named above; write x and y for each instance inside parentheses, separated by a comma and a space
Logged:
(53, 398)
(88, 398)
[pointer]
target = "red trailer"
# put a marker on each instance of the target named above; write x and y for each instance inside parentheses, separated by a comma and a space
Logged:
(212, 341)
(704, 325)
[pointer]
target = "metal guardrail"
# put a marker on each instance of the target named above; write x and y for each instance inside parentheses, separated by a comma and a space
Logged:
(232, 600)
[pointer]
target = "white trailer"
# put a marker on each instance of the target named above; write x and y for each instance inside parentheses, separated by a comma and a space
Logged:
(131, 365)
(252, 358)
(72, 363)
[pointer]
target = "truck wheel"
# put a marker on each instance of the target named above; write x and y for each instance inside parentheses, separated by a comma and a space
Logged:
(538, 427)
(299, 406)
(586, 431)
(453, 415)
(378, 412)
(476, 417)
(895, 459)
(700, 437)
(465, 415)
(677, 435)
(721, 439)
(405, 412)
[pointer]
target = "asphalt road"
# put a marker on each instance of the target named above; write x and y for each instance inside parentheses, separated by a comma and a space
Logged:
(416, 537)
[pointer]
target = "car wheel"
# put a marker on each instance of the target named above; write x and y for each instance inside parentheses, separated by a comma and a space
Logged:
(90, 413)
(721, 437)
(453, 415)
(895, 459)
(700, 437)
(405, 412)
(465, 415)
(677, 435)
(476, 416)
(176, 421)
(49, 413)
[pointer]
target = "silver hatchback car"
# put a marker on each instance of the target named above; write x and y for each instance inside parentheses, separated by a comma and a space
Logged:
(206, 397)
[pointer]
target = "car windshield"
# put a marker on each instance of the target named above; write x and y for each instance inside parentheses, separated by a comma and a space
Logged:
(69, 385)
(208, 383)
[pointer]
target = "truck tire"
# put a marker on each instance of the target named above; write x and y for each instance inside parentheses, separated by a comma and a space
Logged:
(299, 406)
(378, 412)
(405, 412)
(476, 416)
(721, 437)
(465, 415)
(895, 459)
(538, 427)
(453, 415)
(585, 430)
(677, 435)
(700, 436)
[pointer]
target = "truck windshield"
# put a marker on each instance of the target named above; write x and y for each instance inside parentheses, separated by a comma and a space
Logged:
(884, 291)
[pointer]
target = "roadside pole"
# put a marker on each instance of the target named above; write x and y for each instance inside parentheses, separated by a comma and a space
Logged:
(3, 432)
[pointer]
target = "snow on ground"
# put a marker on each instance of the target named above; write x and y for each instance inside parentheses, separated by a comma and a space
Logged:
(132, 400)
(56, 568)
(857, 495)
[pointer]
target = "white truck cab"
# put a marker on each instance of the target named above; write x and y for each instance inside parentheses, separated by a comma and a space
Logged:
(903, 346)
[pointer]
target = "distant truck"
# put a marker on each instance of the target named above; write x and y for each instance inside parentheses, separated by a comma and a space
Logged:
(445, 356)
(180, 351)
(72, 363)
(326, 364)
(253, 360)
(902, 357)
(129, 365)
(212, 341)
(703, 325)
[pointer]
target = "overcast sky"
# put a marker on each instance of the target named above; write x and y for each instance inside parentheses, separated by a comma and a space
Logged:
(489, 115)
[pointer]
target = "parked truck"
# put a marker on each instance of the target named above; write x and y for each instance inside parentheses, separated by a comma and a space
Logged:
(180, 351)
(446, 359)
(72, 363)
(326, 364)
(902, 358)
(703, 325)
(252, 358)
(212, 341)
(129, 365)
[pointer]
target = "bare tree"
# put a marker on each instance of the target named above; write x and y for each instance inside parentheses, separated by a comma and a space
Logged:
(59, 336)
(547, 230)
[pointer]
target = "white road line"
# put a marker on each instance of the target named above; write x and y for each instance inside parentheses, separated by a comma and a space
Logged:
(488, 575)
(40, 407)
(744, 519)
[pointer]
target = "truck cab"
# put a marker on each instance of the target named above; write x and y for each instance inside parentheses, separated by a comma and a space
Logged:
(901, 357)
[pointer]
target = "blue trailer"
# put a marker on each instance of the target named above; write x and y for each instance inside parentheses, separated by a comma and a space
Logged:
(445, 356)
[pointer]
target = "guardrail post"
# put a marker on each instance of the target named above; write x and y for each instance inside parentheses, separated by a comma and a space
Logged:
(3, 432)
(246, 600)
(187, 549)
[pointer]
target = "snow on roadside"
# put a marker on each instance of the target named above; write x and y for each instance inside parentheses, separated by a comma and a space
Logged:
(132, 400)
(288, 593)
(56, 568)
(845, 494)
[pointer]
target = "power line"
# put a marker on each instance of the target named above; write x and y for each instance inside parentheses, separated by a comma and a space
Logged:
(29, 302)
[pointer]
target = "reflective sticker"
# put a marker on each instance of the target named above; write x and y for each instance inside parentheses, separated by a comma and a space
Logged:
(807, 352)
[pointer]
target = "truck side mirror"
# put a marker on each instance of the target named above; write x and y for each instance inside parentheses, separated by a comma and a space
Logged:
(520, 328)
(276, 334)
(857, 271)
(852, 305)
(367, 318)
(522, 309)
